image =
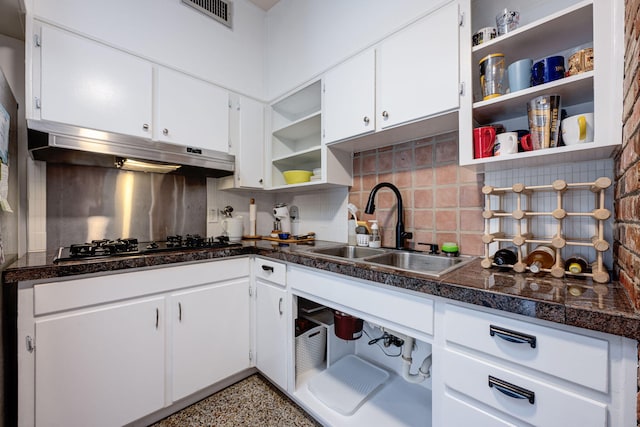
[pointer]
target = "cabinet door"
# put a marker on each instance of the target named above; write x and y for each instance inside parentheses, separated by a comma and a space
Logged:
(210, 335)
(84, 83)
(250, 150)
(271, 332)
(100, 367)
(419, 69)
(349, 98)
(190, 112)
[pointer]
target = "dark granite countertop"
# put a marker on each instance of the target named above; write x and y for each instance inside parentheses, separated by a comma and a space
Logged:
(577, 302)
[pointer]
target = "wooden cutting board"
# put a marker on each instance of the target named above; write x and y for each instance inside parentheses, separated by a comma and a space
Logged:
(289, 240)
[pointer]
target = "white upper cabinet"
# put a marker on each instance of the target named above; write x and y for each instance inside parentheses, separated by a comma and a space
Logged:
(546, 29)
(408, 77)
(349, 98)
(190, 112)
(82, 83)
(87, 84)
(419, 69)
(247, 137)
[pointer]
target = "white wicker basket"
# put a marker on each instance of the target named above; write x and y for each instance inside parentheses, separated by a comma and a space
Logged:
(311, 349)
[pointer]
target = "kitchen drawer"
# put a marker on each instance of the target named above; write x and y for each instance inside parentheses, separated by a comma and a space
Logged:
(455, 412)
(547, 405)
(577, 358)
(271, 271)
(80, 292)
(402, 308)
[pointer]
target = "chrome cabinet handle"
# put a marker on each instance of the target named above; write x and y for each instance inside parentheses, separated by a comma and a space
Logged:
(512, 390)
(512, 336)
(267, 268)
(366, 120)
(385, 114)
(280, 307)
(157, 317)
(179, 312)
(165, 131)
(145, 127)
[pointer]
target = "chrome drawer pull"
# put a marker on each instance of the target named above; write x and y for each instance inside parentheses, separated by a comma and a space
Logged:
(512, 390)
(512, 336)
(267, 268)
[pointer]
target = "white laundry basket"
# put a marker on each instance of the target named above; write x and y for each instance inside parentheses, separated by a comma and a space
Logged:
(311, 349)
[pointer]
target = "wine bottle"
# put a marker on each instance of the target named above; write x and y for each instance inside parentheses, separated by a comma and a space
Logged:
(505, 256)
(542, 256)
(576, 264)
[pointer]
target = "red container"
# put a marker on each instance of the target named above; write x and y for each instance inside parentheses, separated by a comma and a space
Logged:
(347, 327)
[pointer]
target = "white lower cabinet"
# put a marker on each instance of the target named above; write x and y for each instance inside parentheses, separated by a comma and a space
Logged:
(108, 350)
(272, 320)
(210, 335)
(351, 367)
(101, 366)
(502, 371)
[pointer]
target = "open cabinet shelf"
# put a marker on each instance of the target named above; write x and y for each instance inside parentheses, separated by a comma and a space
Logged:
(555, 29)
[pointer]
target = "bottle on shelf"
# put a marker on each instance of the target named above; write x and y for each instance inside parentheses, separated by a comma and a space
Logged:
(543, 256)
(576, 264)
(506, 256)
(374, 240)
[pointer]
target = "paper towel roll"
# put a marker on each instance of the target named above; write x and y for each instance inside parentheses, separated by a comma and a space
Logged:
(252, 217)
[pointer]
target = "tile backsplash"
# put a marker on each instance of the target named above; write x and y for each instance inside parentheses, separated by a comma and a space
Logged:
(442, 201)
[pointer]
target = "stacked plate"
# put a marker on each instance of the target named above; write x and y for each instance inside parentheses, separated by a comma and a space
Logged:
(317, 175)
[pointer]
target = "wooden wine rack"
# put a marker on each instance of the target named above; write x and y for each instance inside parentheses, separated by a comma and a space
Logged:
(521, 217)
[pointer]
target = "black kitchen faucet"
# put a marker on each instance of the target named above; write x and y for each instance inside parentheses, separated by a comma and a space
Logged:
(401, 235)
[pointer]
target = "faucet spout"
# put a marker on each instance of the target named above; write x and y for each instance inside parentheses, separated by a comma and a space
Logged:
(401, 235)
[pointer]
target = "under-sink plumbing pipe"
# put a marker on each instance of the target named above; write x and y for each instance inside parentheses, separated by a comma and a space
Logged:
(407, 360)
(423, 372)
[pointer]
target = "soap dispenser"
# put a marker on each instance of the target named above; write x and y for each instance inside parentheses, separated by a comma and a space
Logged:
(374, 241)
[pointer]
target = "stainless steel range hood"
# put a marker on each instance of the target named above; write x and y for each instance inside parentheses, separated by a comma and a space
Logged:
(57, 143)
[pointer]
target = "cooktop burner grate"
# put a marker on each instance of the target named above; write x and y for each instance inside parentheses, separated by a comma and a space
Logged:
(105, 248)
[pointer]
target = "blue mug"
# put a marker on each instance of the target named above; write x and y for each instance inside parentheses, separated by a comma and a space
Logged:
(547, 70)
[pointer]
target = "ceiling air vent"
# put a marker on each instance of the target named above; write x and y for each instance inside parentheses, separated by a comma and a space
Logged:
(220, 10)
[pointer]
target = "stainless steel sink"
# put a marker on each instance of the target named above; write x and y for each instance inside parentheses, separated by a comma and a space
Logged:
(434, 265)
(415, 262)
(348, 251)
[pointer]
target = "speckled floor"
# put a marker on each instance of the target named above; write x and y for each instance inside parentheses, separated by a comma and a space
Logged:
(250, 402)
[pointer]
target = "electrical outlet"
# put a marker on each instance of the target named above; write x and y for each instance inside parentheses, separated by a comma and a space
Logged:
(294, 213)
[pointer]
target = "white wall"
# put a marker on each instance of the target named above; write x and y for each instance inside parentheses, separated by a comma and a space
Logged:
(172, 34)
(306, 37)
(323, 212)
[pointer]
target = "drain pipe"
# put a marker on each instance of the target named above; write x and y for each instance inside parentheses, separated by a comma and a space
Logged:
(423, 372)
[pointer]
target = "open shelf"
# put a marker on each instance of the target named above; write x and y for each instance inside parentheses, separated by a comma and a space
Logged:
(556, 32)
(294, 160)
(301, 128)
(573, 90)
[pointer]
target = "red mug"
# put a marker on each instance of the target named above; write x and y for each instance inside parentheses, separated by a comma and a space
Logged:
(525, 142)
(483, 141)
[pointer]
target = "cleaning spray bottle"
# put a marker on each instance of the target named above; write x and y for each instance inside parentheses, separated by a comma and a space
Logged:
(375, 240)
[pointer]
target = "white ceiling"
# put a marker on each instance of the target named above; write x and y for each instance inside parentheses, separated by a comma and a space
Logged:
(264, 4)
(12, 17)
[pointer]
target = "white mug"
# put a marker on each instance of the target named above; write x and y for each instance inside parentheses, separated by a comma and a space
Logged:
(506, 143)
(233, 227)
(577, 129)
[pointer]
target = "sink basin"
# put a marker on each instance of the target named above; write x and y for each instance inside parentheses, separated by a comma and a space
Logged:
(434, 265)
(348, 251)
